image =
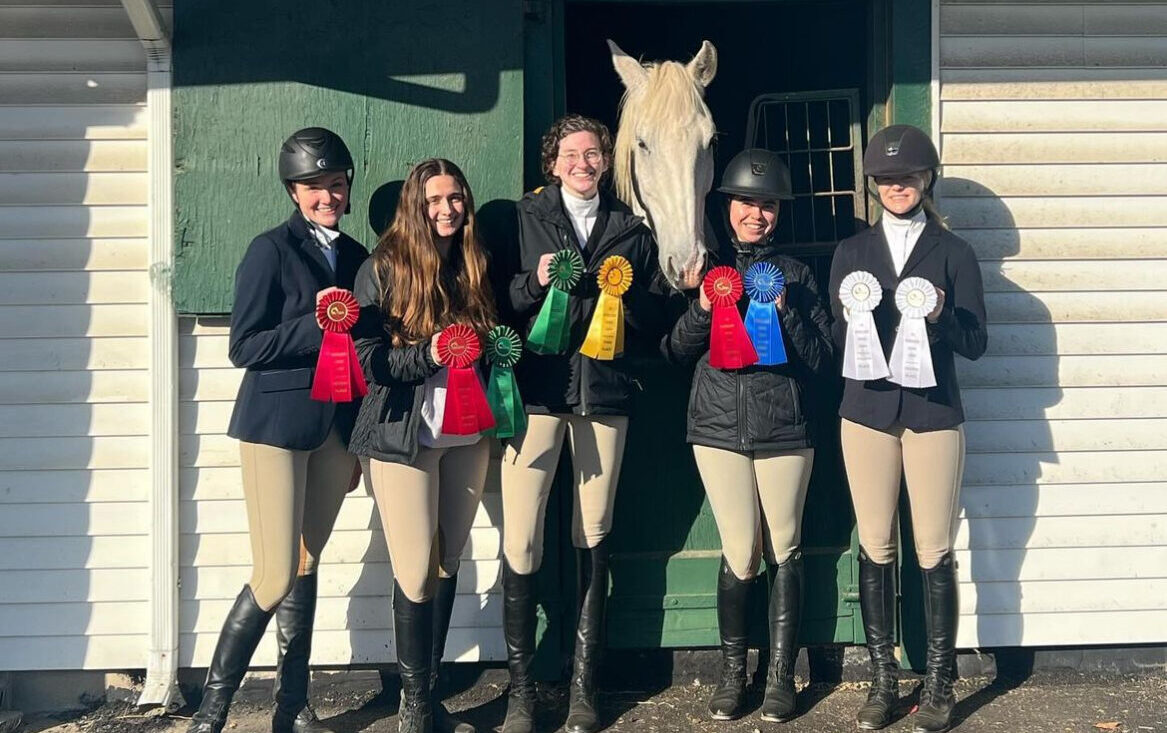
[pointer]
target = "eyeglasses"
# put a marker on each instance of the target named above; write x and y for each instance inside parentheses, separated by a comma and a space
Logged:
(592, 156)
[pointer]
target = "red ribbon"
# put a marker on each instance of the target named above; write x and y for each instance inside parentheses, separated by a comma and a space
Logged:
(467, 410)
(729, 344)
(338, 375)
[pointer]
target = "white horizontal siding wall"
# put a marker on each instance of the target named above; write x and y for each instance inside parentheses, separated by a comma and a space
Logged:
(1054, 141)
(74, 350)
(353, 618)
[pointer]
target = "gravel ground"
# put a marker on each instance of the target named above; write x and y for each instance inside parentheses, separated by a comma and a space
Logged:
(1048, 702)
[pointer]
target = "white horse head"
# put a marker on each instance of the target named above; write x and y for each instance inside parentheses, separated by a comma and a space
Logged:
(664, 151)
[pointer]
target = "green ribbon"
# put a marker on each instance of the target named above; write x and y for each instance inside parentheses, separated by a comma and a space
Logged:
(503, 350)
(551, 332)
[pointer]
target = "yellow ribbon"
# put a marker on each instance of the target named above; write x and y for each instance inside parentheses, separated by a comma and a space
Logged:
(605, 338)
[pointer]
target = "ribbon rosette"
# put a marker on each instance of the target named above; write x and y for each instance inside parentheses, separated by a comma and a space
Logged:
(911, 355)
(729, 344)
(338, 375)
(764, 283)
(552, 331)
(863, 356)
(605, 339)
(467, 411)
(503, 350)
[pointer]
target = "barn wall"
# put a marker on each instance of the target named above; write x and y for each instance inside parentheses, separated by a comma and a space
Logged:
(74, 346)
(1054, 142)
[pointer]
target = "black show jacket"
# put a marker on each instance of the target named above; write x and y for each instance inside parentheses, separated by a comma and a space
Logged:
(275, 337)
(949, 263)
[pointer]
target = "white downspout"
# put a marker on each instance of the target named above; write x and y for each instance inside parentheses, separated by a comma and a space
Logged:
(161, 686)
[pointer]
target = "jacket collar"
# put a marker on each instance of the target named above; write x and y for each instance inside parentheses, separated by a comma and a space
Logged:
(548, 206)
(302, 233)
(879, 258)
(927, 242)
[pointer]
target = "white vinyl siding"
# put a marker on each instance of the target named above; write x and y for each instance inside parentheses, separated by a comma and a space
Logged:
(353, 618)
(1054, 139)
(74, 346)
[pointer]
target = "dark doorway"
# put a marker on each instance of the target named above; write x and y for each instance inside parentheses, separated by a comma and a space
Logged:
(665, 542)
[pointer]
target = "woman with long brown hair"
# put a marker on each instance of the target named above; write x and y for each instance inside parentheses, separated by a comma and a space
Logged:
(428, 272)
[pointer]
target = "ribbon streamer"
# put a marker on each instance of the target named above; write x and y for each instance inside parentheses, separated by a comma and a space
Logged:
(552, 331)
(729, 344)
(860, 292)
(503, 350)
(338, 376)
(467, 411)
(911, 354)
(764, 283)
(605, 338)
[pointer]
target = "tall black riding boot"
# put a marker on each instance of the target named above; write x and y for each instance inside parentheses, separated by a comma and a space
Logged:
(443, 609)
(941, 610)
(877, 601)
(242, 630)
(294, 619)
(583, 711)
(728, 700)
(413, 629)
(518, 623)
(785, 611)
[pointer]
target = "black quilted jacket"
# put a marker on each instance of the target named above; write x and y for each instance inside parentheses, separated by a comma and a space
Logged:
(759, 408)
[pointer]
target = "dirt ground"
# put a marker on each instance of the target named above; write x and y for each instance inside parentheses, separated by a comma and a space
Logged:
(1048, 702)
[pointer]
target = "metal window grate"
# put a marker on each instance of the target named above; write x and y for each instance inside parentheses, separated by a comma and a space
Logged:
(819, 135)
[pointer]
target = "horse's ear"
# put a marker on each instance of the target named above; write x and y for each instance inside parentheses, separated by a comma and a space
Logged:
(629, 69)
(703, 67)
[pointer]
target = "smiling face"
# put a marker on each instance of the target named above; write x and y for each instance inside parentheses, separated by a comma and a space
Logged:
(581, 164)
(900, 194)
(752, 219)
(323, 199)
(445, 206)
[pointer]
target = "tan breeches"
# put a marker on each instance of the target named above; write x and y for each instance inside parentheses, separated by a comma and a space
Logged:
(427, 509)
(293, 497)
(757, 500)
(528, 469)
(931, 464)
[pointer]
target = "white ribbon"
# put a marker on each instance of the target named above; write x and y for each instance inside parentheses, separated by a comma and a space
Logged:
(863, 357)
(911, 355)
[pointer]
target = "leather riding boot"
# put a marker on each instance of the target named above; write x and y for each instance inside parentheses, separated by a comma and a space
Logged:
(518, 623)
(413, 629)
(877, 601)
(443, 609)
(242, 630)
(941, 610)
(294, 619)
(728, 700)
(786, 582)
(583, 711)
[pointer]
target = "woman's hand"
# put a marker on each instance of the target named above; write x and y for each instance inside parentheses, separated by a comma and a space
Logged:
(437, 357)
(320, 295)
(543, 271)
(780, 302)
(691, 277)
(934, 316)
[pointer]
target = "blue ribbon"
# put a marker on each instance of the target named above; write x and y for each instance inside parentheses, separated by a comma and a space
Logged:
(764, 282)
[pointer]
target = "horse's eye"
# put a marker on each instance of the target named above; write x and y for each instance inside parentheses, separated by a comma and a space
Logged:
(642, 145)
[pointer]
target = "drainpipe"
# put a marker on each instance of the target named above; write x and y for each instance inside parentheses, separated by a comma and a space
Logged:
(161, 686)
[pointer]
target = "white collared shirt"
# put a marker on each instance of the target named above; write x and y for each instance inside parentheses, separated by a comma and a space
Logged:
(583, 213)
(901, 236)
(326, 240)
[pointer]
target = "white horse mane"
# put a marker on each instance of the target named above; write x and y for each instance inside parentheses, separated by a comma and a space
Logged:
(668, 100)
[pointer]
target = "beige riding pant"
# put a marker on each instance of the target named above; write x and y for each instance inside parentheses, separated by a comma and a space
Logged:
(528, 469)
(757, 500)
(931, 464)
(427, 509)
(293, 497)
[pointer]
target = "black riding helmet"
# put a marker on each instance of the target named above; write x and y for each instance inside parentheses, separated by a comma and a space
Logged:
(899, 150)
(757, 173)
(314, 151)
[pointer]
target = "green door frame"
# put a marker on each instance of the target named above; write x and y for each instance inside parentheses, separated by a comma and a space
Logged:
(900, 85)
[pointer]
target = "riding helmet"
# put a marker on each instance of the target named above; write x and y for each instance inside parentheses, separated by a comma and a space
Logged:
(311, 152)
(757, 173)
(899, 150)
